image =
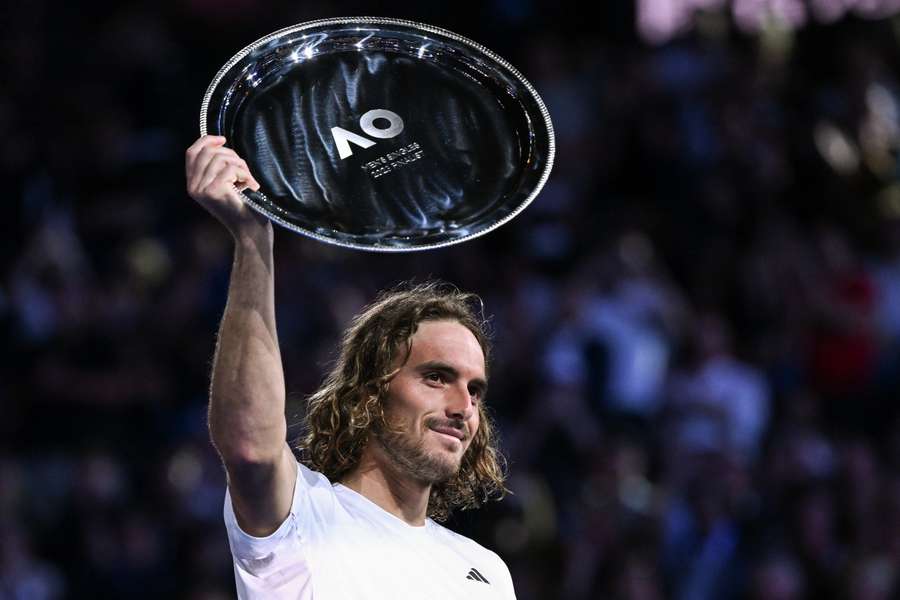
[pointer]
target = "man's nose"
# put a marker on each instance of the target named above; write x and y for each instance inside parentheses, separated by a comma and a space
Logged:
(460, 405)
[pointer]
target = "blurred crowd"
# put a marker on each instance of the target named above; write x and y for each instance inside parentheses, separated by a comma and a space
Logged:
(697, 322)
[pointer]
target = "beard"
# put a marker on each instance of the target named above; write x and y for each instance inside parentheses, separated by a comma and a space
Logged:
(410, 457)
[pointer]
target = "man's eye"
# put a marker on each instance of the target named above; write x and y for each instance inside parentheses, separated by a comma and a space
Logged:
(434, 376)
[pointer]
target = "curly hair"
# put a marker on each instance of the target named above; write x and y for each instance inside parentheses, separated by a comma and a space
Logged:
(341, 414)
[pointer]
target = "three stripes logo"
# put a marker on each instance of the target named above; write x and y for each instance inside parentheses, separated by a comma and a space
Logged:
(476, 576)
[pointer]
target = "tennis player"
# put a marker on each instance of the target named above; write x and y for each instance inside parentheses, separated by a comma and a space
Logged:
(396, 437)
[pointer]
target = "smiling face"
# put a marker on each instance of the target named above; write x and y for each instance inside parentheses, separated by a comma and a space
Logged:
(433, 403)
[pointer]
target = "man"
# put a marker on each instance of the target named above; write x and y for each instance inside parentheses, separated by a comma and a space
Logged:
(396, 436)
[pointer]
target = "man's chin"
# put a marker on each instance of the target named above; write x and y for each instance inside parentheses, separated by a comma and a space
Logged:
(431, 466)
(441, 468)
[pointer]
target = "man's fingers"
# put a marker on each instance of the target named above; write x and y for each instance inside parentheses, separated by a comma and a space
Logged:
(222, 180)
(204, 163)
(213, 171)
(244, 180)
(251, 180)
(232, 157)
(194, 150)
(199, 163)
(213, 165)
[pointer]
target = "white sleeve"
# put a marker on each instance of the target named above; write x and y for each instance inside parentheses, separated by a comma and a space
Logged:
(313, 497)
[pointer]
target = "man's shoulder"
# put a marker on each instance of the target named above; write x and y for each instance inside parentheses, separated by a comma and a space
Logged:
(307, 477)
(461, 541)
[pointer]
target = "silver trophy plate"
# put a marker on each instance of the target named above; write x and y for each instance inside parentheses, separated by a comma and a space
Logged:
(381, 134)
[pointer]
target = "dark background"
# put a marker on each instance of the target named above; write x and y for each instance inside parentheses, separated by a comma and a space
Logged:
(697, 321)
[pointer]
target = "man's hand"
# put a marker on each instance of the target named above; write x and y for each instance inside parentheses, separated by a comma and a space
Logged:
(214, 176)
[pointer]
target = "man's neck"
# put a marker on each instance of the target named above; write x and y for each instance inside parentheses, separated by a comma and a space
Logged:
(403, 497)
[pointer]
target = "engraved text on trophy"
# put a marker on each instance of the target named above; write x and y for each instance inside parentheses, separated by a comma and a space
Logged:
(393, 160)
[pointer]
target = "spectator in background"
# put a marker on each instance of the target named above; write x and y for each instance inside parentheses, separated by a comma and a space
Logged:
(22, 575)
(717, 402)
(777, 577)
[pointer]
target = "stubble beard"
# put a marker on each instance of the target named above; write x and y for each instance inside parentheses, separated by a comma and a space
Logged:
(410, 457)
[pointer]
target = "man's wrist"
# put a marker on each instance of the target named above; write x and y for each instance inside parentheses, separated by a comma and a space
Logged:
(254, 237)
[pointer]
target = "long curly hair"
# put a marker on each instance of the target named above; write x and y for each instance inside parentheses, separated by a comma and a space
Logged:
(351, 400)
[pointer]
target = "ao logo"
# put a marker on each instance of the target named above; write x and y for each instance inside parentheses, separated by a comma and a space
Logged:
(342, 137)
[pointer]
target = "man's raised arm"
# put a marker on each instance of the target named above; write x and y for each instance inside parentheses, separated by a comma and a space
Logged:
(246, 407)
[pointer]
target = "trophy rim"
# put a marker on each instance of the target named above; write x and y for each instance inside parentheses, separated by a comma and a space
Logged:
(370, 20)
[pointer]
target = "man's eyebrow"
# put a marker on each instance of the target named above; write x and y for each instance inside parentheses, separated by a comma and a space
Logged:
(437, 365)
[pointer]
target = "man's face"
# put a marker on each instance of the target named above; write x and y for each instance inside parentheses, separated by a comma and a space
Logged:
(433, 402)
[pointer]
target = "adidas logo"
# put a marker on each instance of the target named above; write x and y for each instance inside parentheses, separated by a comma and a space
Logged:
(476, 576)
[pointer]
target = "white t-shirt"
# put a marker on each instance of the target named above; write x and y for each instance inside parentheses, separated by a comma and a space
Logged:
(337, 545)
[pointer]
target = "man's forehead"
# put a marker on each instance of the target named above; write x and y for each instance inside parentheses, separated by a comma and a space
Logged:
(447, 341)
